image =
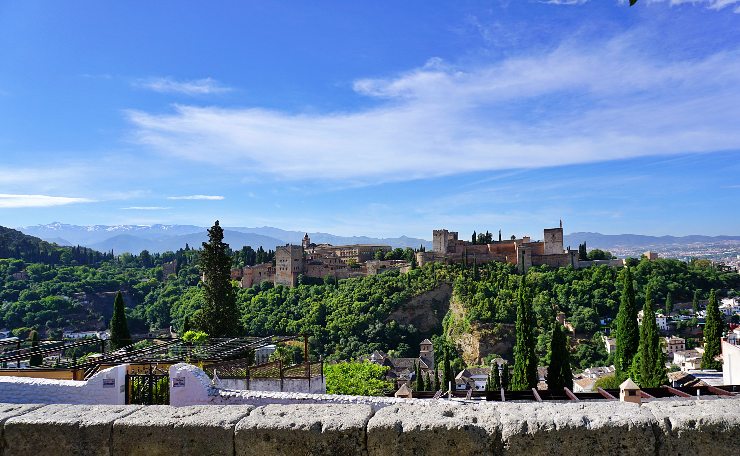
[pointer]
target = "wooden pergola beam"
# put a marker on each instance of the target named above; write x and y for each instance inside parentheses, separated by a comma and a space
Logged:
(676, 392)
(536, 395)
(604, 393)
(570, 394)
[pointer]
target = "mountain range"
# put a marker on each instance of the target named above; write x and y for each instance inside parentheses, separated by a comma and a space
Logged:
(160, 238)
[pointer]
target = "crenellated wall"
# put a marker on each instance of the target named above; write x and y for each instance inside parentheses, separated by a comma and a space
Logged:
(672, 427)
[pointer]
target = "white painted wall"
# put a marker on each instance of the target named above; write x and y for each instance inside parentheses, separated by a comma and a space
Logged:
(730, 364)
(317, 385)
(105, 387)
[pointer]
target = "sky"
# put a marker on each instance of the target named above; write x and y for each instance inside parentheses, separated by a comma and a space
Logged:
(378, 118)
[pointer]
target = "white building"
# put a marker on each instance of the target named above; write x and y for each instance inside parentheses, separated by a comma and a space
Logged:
(474, 378)
(660, 320)
(262, 354)
(610, 344)
(731, 359)
(104, 335)
(729, 306)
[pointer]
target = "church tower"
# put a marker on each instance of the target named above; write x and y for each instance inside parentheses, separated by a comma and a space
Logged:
(306, 242)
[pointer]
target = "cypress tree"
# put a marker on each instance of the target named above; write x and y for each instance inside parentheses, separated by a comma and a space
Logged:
(435, 380)
(525, 358)
(695, 302)
(668, 304)
(36, 360)
(495, 378)
(119, 334)
(473, 240)
(448, 376)
(713, 329)
(650, 360)
(559, 374)
(220, 315)
(427, 383)
(628, 336)
(505, 376)
(419, 379)
(186, 324)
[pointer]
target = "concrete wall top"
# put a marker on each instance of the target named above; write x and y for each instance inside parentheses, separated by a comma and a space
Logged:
(676, 426)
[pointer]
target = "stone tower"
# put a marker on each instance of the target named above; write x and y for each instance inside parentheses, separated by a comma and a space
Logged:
(306, 242)
(426, 352)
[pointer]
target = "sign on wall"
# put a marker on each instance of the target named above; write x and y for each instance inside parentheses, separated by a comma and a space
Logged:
(178, 382)
(109, 383)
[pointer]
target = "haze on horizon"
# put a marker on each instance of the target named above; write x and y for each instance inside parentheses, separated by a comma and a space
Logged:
(381, 120)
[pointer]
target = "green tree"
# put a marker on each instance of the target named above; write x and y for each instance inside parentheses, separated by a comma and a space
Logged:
(628, 336)
(494, 378)
(427, 382)
(525, 357)
(435, 381)
(668, 304)
(220, 315)
(356, 378)
(447, 374)
(418, 379)
(650, 361)
(36, 360)
(505, 376)
(559, 374)
(695, 302)
(713, 329)
(119, 333)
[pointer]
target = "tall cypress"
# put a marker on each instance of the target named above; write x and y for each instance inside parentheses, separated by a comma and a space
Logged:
(36, 360)
(495, 378)
(447, 376)
(419, 380)
(220, 315)
(505, 376)
(559, 374)
(651, 363)
(427, 383)
(695, 302)
(668, 304)
(713, 329)
(119, 334)
(628, 336)
(525, 358)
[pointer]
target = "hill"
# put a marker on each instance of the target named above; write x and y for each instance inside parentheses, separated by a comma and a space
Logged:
(15, 244)
(613, 241)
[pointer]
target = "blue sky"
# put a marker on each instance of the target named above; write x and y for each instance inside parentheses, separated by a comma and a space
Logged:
(379, 118)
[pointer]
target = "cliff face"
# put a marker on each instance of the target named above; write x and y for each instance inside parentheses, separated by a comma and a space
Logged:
(425, 311)
(476, 340)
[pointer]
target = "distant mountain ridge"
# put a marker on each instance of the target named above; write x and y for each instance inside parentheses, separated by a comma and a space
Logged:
(607, 241)
(160, 238)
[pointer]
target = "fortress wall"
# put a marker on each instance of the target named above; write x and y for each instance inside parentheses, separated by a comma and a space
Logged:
(105, 387)
(676, 426)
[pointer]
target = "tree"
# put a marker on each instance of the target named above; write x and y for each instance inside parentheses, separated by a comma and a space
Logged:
(447, 374)
(474, 239)
(668, 304)
(36, 360)
(435, 381)
(220, 315)
(186, 324)
(525, 357)
(628, 336)
(119, 333)
(505, 374)
(494, 378)
(713, 329)
(695, 302)
(559, 374)
(419, 380)
(356, 378)
(650, 361)
(427, 382)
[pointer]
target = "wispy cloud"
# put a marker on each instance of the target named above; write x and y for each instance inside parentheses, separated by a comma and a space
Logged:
(196, 197)
(204, 86)
(145, 208)
(577, 103)
(8, 200)
(711, 4)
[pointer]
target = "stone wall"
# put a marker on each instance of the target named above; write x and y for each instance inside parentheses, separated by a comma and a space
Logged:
(669, 427)
(105, 387)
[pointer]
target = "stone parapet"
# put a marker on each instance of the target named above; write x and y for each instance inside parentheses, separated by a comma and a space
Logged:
(675, 426)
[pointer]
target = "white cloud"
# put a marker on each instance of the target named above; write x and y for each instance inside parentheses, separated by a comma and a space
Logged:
(711, 4)
(196, 197)
(204, 86)
(145, 208)
(574, 104)
(8, 200)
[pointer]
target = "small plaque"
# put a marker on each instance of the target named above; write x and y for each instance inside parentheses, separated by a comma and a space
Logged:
(109, 383)
(178, 382)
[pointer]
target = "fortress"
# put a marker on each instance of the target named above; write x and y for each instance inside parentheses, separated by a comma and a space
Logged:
(522, 252)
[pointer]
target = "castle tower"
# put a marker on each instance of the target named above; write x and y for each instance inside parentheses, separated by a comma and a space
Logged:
(306, 242)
